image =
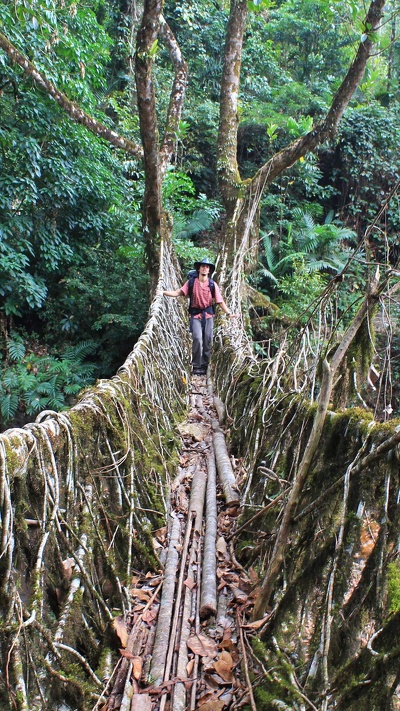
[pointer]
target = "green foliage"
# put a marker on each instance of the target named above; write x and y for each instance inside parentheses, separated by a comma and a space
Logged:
(192, 214)
(104, 297)
(393, 587)
(365, 169)
(299, 290)
(68, 202)
(317, 248)
(30, 383)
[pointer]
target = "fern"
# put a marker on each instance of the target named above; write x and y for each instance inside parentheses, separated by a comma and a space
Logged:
(8, 405)
(80, 351)
(16, 350)
(201, 220)
(39, 383)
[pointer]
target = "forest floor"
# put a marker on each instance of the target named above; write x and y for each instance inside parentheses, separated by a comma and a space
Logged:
(185, 644)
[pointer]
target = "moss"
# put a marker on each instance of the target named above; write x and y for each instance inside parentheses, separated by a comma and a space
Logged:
(259, 648)
(11, 457)
(393, 587)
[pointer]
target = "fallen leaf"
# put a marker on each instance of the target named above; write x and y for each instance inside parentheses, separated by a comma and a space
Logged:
(202, 645)
(190, 667)
(211, 706)
(153, 582)
(141, 594)
(226, 642)
(221, 546)
(224, 665)
(126, 653)
(189, 582)
(137, 667)
(256, 624)
(149, 616)
(121, 630)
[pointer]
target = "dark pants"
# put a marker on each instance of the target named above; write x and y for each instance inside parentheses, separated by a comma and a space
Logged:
(202, 333)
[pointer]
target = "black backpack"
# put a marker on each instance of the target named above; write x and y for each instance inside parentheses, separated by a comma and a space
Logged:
(192, 275)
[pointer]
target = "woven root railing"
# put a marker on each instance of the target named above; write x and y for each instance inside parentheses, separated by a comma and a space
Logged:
(80, 492)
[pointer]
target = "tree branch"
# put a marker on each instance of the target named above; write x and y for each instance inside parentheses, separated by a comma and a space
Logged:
(73, 110)
(301, 146)
(177, 95)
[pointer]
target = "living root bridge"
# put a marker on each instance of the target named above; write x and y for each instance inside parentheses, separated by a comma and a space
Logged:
(333, 605)
(80, 492)
(198, 657)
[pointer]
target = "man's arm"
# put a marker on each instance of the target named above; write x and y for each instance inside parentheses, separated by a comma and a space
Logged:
(219, 300)
(174, 293)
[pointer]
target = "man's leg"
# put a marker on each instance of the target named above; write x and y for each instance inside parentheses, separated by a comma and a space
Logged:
(197, 344)
(207, 342)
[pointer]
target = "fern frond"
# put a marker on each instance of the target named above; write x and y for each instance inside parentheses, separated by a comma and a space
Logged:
(16, 350)
(8, 406)
(80, 350)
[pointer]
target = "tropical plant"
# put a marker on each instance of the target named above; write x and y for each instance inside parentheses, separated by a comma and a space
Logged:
(318, 248)
(31, 383)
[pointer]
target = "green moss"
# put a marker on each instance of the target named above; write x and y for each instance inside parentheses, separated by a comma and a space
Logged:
(11, 458)
(393, 587)
(259, 648)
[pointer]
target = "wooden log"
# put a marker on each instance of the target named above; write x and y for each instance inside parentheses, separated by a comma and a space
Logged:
(220, 408)
(197, 496)
(196, 506)
(179, 697)
(167, 600)
(141, 702)
(225, 471)
(208, 601)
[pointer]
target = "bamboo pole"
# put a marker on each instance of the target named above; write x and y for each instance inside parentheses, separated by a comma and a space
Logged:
(196, 507)
(224, 466)
(174, 628)
(208, 601)
(165, 612)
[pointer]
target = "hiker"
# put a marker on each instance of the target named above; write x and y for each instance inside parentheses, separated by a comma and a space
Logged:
(202, 292)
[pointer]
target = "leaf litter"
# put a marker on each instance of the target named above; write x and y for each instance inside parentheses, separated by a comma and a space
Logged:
(213, 669)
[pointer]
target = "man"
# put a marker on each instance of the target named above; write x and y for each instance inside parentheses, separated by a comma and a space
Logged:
(202, 291)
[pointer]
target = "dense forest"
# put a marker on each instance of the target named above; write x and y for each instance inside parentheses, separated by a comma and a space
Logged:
(74, 271)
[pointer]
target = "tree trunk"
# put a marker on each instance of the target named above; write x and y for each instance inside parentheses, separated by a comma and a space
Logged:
(242, 198)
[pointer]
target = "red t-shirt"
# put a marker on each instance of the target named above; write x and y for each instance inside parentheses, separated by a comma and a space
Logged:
(201, 296)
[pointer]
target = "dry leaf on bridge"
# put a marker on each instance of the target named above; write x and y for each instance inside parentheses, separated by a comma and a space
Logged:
(141, 594)
(221, 547)
(189, 582)
(197, 431)
(202, 645)
(224, 666)
(211, 706)
(121, 630)
(149, 616)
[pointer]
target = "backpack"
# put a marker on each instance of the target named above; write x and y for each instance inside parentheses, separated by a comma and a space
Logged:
(192, 275)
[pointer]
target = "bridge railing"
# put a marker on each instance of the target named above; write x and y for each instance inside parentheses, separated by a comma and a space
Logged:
(80, 492)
